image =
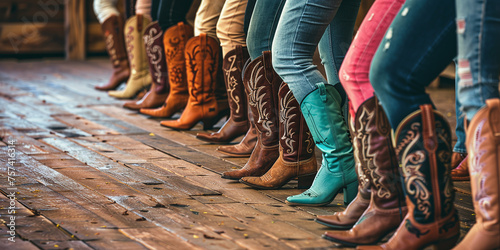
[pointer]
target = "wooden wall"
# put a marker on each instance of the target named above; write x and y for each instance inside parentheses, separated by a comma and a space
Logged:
(38, 27)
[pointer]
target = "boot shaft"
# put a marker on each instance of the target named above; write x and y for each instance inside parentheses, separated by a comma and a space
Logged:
(174, 42)
(232, 67)
(296, 141)
(153, 40)
(134, 32)
(261, 85)
(114, 38)
(375, 155)
(202, 58)
(483, 140)
(423, 147)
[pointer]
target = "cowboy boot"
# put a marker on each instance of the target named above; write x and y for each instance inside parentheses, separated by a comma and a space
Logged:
(174, 40)
(460, 167)
(139, 77)
(347, 218)
(483, 140)
(153, 39)
(323, 113)
(115, 45)
(423, 147)
(202, 57)
(247, 144)
(262, 84)
(387, 206)
(296, 148)
(237, 124)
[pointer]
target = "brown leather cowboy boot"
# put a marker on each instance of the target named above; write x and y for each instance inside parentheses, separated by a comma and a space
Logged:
(296, 147)
(347, 218)
(262, 84)
(423, 146)
(387, 207)
(237, 124)
(483, 144)
(174, 41)
(460, 167)
(247, 144)
(202, 58)
(153, 39)
(115, 45)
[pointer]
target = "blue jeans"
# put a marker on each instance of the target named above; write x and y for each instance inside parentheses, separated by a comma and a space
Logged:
(478, 34)
(460, 128)
(303, 25)
(418, 45)
(263, 23)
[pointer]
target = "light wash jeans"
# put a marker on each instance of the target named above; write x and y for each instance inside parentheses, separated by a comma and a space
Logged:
(478, 34)
(302, 26)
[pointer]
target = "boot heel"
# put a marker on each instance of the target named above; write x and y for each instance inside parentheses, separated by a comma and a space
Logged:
(350, 192)
(305, 181)
(446, 243)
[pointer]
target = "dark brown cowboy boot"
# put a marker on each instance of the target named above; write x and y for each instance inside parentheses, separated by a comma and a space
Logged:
(262, 84)
(115, 45)
(237, 124)
(423, 147)
(157, 94)
(296, 159)
(247, 144)
(387, 207)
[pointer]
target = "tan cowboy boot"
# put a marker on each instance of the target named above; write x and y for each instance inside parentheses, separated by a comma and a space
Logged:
(139, 77)
(153, 39)
(460, 167)
(483, 146)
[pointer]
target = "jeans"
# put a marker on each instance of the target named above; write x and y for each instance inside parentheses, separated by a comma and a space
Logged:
(263, 23)
(460, 128)
(356, 66)
(418, 45)
(478, 34)
(169, 12)
(303, 25)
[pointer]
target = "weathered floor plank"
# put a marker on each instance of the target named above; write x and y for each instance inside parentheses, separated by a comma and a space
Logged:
(91, 175)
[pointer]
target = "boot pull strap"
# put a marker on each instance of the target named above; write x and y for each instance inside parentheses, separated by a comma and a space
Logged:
(494, 116)
(322, 91)
(139, 23)
(381, 120)
(268, 65)
(203, 45)
(428, 127)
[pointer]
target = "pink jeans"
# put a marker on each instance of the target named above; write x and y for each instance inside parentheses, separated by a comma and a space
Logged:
(356, 66)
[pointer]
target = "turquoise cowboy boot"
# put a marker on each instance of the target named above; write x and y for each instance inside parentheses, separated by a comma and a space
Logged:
(323, 114)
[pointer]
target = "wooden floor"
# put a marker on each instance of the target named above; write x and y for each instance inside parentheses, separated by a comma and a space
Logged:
(92, 175)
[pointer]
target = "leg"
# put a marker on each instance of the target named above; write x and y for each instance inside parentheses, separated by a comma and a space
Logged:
(479, 67)
(171, 12)
(105, 8)
(301, 27)
(207, 18)
(263, 25)
(143, 7)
